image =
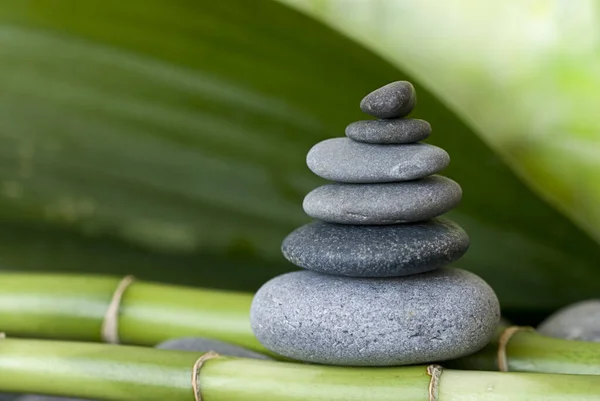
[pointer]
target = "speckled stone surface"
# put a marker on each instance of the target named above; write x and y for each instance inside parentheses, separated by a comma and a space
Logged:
(345, 160)
(334, 320)
(396, 99)
(580, 321)
(389, 203)
(397, 131)
(375, 251)
(200, 344)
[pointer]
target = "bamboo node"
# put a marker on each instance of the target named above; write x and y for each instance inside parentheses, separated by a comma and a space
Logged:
(109, 330)
(435, 371)
(196, 372)
(505, 337)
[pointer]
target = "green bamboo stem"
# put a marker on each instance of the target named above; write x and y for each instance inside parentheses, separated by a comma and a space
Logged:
(73, 307)
(529, 351)
(129, 373)
(65, 306)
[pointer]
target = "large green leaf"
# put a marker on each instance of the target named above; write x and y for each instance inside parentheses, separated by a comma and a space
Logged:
(166, 138)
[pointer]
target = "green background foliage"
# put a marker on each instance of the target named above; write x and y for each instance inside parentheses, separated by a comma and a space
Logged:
(167, 139)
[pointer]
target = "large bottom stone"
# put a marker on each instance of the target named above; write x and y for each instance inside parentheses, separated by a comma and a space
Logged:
(376, 251)
(334, 320)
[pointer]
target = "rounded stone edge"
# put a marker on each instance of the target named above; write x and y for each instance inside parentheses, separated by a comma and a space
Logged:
(290, 255)
(368, 217)
(442, 161)
(494, 310)
(574, 322)
(353, 132)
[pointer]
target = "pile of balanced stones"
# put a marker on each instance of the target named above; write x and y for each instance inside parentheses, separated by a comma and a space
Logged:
(377, 290)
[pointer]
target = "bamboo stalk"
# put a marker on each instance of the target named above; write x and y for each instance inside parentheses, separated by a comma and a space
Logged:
(529, 351)
(130, 373)
(66, 306)
(72, 307)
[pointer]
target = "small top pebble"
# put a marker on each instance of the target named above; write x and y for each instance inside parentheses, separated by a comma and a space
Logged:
(579, 321)
(393, 100)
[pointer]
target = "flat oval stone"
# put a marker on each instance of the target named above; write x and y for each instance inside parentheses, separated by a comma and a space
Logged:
(389, 203)
(393, 100)
(199, 344)
(345, 160)
(580, 321)
(376, 251)
(397, 131)
(333, 320)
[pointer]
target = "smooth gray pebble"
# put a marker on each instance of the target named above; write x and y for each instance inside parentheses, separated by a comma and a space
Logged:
(396, 99)
(388, 203)
(579, 321)
(396, 131)
(376, 251)
(345, 160)
(334, 320)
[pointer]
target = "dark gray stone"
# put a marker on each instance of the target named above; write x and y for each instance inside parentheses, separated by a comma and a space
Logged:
(376, 251)
(200, 344)
(397, 131)
(393, 100)
(390, 203)
(345, 160)
(335, 320)
(580, 321)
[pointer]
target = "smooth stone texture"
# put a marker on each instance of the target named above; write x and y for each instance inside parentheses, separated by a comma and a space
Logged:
(376, 251)
(334, 320)
(345, 160)
(397, 131)
(579, 321)
(200, 344)
(9, 396)
(390, 203)
(396, 99)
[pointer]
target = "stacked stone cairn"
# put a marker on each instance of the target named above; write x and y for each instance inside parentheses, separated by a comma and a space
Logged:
(377, 290)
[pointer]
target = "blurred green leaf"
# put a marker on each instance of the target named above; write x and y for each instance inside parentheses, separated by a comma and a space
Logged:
(167, 139)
